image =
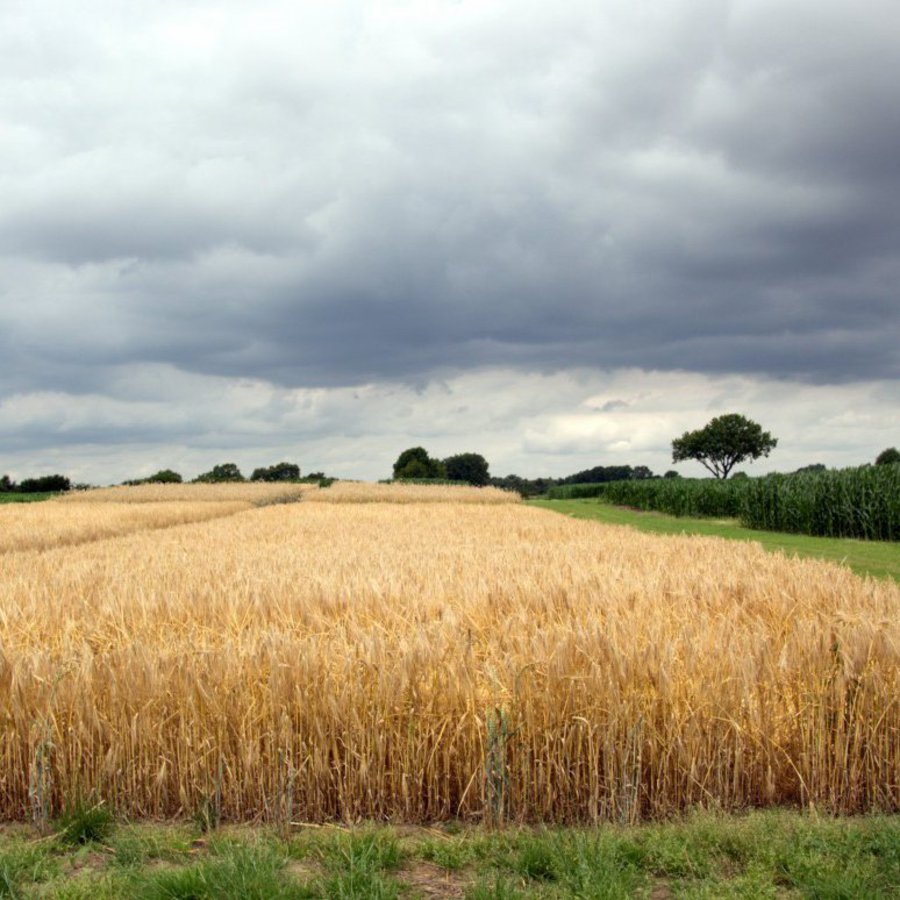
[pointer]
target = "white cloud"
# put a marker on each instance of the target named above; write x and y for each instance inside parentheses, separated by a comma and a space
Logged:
(525, 423)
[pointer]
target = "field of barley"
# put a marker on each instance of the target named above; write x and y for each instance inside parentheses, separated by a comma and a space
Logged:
(415, 658)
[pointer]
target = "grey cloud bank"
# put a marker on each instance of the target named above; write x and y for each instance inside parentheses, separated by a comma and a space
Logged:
(550, 424)
(378, 197)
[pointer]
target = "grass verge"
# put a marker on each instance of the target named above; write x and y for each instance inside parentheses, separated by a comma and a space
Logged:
(13, 497)
(878, 558)
(762, 854)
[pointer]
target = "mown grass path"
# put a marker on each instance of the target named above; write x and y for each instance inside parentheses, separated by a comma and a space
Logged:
(878, 558)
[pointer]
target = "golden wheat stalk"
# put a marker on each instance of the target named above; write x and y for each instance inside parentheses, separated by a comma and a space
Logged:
(419, 661)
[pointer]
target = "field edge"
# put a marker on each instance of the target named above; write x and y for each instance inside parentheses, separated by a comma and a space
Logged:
(878, 559)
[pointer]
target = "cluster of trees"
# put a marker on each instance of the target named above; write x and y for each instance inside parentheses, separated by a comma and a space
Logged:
(230, 472)
(283, 471)
(600, 474)
(163, 476)
(719, 446)
(221, 473)
(46, 484)
(415, 464)
(532, 487)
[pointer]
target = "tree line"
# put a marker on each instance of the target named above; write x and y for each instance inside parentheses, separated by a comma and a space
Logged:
(723, 443)
(416, 464)
(719, 446)
(230, 472)
(46, 484)
(224, 472)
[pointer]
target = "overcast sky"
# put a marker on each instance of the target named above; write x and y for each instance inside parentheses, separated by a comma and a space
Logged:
(558, 234)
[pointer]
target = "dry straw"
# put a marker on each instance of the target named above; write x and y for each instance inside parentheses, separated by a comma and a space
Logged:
(40, 526)
(366, 492)
(254, 493)
(418, 662)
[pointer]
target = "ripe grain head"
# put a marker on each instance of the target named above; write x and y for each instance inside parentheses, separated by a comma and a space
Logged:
(367, 492)
(358, 651)
(42, 526)
(255, 493)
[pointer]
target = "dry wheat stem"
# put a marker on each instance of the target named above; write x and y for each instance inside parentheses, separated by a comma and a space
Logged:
(356, 651)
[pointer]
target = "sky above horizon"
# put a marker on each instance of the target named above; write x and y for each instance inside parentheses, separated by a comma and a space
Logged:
(556, 234)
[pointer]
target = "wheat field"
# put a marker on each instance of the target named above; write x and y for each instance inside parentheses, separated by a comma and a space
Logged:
(421, 661)
(366, 492)
(40, 526)
(253, 493)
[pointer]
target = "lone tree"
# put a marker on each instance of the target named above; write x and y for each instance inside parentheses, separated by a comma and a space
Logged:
(469, 467)
(416, 463)
(888, 457)
(723, 443)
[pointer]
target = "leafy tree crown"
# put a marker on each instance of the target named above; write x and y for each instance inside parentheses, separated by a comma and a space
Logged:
(222, 472)
(416, 463)
(44, 484)
(283, 471)
(164, 476)
(723, 443)
(470, 467)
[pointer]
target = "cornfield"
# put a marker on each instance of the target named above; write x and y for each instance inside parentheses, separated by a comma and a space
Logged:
(675, 496)
(420, 661)
(855, 503)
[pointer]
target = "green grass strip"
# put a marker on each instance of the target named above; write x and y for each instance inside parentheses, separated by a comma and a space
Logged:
(774, 853)
(878, 558)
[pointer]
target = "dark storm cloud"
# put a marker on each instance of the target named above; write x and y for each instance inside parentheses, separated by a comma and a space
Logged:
(388, 192)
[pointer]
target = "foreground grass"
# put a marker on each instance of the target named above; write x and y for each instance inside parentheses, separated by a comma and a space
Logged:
(13, 497)
(878, 558)
(764, 854)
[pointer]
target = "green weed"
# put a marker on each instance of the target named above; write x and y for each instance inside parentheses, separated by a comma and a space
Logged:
(85, 821)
